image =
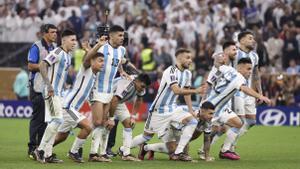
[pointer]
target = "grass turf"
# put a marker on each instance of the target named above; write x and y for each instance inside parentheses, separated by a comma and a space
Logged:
(261, 148)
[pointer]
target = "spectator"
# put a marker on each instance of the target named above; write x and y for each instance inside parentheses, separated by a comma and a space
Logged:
(21, 85)
(77, 24)
(293, 68)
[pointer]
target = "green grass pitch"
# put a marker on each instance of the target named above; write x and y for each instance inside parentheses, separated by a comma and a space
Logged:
(261, 148)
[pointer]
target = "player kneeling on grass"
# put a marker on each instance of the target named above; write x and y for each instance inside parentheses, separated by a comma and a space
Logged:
(174, 132)
(83, 85)
(127, 90)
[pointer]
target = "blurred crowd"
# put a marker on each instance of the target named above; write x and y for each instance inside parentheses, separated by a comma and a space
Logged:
(156, 28)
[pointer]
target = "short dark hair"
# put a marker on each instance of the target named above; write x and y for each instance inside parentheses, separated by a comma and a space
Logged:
(45, 27)
(227, 44)
(207, 105)
(116, 28)
(243, 34)
(182, 50)
(143, 77)
(67, 32)
(245, 61)
(98, 54)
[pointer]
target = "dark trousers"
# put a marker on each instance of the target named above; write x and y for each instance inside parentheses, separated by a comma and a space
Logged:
(37, 123)
(112, 136)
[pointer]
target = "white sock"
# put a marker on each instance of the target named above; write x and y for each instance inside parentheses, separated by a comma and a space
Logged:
(49, 147)
(187, 134)
(157, 147)
(96, 136)
(232, 133)
(241, 132)
(50, 132)
(127, 139)
(139, 139)
(78, 143)
(103, 141)
(215, 139)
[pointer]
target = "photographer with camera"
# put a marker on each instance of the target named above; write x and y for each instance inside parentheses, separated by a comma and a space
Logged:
(102, 92)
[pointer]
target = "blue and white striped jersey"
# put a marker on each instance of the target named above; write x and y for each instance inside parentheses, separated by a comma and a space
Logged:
(254, 58)
(59, 62)
(125, 90)
(225, 81)
(82, 87)
(165, 100)
(112, 59)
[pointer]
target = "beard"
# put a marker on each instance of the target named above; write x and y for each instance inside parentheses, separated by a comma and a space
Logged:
(250, 47)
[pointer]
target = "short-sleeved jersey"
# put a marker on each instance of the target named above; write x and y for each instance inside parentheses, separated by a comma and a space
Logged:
(226, 81)
(254, 58)
(112, 59)
(125, 90)
(165, 100)
(59, 62)
(82, 87)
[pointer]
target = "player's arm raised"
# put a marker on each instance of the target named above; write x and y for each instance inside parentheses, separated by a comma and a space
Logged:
(93, 51)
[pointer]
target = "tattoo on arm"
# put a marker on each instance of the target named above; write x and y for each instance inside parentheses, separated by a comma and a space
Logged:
(206, 144)
(44, 72)
(256, 80)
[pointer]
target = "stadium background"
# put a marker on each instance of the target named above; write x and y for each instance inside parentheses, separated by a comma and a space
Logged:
(159, 27)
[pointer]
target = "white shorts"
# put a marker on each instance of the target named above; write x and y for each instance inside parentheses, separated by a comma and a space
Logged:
(244, 105)
(122, 112)
(53, 108)
(71, 119)
(223, 117)
(101, 97)
(159, 123)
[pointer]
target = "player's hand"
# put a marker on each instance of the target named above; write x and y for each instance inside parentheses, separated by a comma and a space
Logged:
(109, 124)
(102, 40)
(265, 99)
(201, 90)
(209, 159)
(86, 46)
(195, 113)
(50, 91)
(125, 75)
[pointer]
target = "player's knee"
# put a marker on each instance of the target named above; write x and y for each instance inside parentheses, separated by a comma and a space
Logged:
(97, 122)
(88, 129)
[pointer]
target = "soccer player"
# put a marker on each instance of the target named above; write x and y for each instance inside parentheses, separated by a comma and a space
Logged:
(54, 69)
(73, 101)
(102, 92)
(128, 90)
(228, 83)
(176, 80)
(171, 138)
(38, 51)
(245, 106)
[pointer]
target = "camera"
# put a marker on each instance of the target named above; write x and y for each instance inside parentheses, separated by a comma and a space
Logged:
(102, 30)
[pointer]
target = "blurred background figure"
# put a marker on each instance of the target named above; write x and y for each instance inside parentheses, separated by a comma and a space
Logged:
(20, 86)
